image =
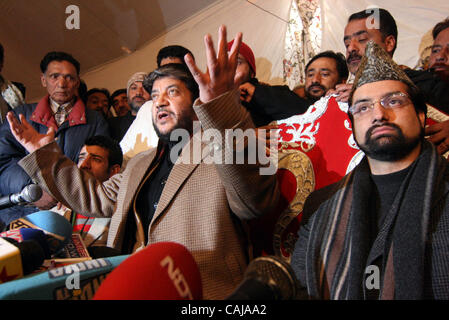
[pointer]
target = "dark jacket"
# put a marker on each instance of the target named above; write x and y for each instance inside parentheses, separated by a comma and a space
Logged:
(415, 232)
(119, 125)
(82, 123)
(435, 90)
(270, 103)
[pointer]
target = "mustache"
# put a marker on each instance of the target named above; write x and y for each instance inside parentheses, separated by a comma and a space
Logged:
(316, 85)
(353, 55)
(163, 109)
(374, 127)
(436, 65)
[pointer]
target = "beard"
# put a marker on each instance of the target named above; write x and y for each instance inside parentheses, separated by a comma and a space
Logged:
(389, 147)
(135, 106)
(312, 97)
(185, 121)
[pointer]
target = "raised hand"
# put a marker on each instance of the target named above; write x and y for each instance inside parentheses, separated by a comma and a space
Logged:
(247, 91)
(26, 135)
(219, 76)
(343, 90)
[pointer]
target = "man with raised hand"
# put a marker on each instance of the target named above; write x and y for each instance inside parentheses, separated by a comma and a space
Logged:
(140, 136)
(163, 195)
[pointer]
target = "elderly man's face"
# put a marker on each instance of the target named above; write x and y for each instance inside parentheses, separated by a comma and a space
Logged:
(61, 81)
(439, 57)
(137, 95)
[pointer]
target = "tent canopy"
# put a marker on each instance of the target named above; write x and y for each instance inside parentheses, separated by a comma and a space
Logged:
(108, 30)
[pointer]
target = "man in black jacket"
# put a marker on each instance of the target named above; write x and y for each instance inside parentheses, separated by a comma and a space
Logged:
(60, 111)
(269, 103)
(264, 102)
(359, 30)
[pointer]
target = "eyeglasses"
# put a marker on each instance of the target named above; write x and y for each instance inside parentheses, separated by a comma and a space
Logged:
(391, 101)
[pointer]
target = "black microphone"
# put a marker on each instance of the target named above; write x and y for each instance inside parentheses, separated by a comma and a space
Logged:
(267, 278)
(19, 258)
(29, 194)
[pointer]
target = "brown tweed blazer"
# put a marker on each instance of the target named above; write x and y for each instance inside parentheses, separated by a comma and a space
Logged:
(201, 205)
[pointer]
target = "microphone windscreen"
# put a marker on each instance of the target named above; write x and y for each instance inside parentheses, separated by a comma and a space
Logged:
(162, 271)
(62, 283)
(32, 255)
(52, 224)
(29, 234)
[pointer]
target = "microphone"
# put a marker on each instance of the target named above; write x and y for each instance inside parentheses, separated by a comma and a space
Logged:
(19, 259)
(23, 234)
(162, 271)
(57, 228)
(77, 281)
(29, 194)
(267, 278)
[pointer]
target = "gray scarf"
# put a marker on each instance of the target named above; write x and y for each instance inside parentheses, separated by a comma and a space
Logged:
(339, 249)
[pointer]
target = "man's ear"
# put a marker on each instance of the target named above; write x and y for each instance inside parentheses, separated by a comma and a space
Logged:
(114, 170)
(422, 118)
(43, 80)
(390, 44)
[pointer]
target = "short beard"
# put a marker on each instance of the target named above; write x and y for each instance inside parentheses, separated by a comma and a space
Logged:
(393, 149)
(134, 106)
(315, 98)
(185, 122)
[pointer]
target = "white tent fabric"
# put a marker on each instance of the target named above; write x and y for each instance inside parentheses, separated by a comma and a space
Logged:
(263, 23)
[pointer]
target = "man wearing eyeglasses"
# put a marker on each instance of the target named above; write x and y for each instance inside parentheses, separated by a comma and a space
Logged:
(381, 231)
(59, 109)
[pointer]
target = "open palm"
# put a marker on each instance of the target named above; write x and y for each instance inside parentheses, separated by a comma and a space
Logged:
(221, 66)
(26, 135)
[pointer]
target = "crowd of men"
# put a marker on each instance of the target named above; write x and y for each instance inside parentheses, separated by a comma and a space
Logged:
(390, 213)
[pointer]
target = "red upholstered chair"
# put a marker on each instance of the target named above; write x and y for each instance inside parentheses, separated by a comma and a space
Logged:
(315, 149)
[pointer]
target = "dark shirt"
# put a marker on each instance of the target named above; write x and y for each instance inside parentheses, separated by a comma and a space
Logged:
(119, 125)
(270, 103)
(149, 195)
(434, 88)
(386, 188)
